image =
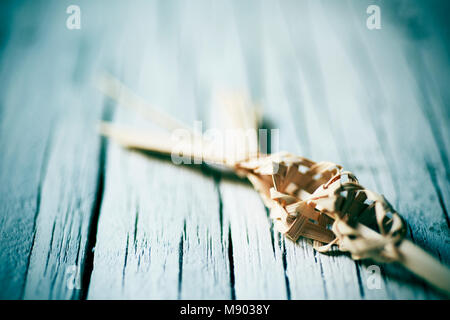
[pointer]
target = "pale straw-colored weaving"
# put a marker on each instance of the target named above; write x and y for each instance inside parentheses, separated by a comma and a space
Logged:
(316, 200)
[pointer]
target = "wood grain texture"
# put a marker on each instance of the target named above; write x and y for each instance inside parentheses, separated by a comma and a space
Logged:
(50, 156)
(292, 89)
(160, 233)
(256, 255)
(82, 218)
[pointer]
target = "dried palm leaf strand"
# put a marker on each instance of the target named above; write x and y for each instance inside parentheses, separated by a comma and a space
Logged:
(318, 201)
(115, 89)
(305, 206)
(362, 222)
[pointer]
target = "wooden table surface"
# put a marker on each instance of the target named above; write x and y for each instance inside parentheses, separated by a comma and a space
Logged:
(82, 218)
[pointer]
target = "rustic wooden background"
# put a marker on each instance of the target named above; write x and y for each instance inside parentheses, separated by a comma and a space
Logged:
(81, 218)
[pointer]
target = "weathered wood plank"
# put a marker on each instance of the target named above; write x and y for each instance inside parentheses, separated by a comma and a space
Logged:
(292, 77)
(160, 233)
(352, 79)
(349, 155)
(50, 152)
(24, 154)
(373, 101)
(333, 94)
(417, 197)
(257, 254)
